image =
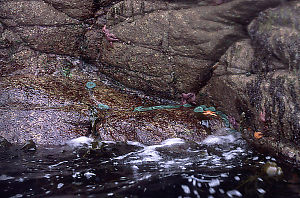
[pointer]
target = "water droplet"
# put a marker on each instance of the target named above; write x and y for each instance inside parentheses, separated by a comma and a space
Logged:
(186, 189)
(233, 193)
(260, 190)
(212, 191)
(237, 178)
(60, 185)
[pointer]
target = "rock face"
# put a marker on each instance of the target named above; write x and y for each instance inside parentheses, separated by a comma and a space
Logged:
(54, 108)
(262, 74)
(164, 48)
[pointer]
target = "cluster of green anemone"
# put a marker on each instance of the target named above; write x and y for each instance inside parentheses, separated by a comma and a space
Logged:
(224, 117)
(198, 109)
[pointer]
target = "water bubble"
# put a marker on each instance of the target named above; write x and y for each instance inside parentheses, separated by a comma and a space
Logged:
(20, 179)
(196, 193)
(233, 193)
(60, 185)
(224, 175)
(214, 182)
(88, 175)
(17, 196)
(260, 190)
(76, 175)
(5, 177)
(237, 178)
(186, 189)
(255, 158)
(212, 191)
(194, 182)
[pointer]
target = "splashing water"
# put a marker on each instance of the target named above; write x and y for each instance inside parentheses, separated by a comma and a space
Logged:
(219, 166)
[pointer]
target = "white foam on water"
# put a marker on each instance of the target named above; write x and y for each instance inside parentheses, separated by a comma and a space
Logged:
(232, 154)
(214, 139)
(212, 190)
(76, 175)
(186, 189)
(237, 178)
(60, 185)
(172, 141)
(17, 196)
(88, 175)
(54, 165)
(5, 177)
(260, 190)
(214, 183)
(135, 144)
(80, 142)
(149, 153)
(233, 193)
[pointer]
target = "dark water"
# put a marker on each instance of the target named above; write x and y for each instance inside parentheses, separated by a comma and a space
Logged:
(220, 166)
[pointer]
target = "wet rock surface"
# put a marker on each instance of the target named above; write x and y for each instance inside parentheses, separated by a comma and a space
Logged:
(163, 48)
(53, 108)
(262, 75)
(4, 144)
(184, 38)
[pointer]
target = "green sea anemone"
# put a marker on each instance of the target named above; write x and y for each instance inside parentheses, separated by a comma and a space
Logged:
(90, 85)
(103, 107)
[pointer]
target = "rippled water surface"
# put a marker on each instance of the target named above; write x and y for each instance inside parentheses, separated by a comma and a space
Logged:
(220, 166)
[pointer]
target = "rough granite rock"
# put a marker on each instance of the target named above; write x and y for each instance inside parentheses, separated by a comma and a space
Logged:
(277, 30)
(42, 27)
(77, 9)
(53, 108)
(262, 76)
(32, 13)
(163, 49)
(170, 43)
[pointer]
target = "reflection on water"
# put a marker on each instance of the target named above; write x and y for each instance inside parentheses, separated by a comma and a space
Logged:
(220, 166)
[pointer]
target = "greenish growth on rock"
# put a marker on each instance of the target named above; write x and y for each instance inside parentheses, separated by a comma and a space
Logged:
(199, 109)
(90, 85)
(103, 106)
(224, 117)
(203, 108)
(29, 146)
(66, 70)
(141, 108)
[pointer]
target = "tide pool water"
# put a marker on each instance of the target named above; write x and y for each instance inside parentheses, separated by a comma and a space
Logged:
(220, 166)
